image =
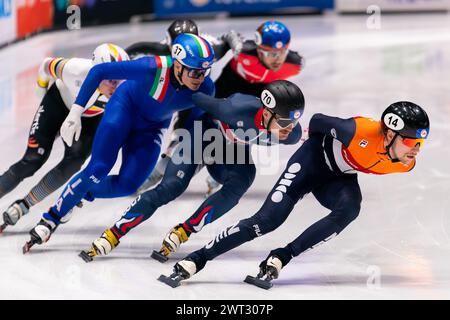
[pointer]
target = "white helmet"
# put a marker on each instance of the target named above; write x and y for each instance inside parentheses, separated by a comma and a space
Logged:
(108, 52)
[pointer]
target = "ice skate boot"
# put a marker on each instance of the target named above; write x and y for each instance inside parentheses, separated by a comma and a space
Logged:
(14, 212)
(101, 246)
(171, 243)
(40, 234)
(269, 269)
(181, 271)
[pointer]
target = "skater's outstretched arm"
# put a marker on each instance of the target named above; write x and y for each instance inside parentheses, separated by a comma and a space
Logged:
(218, 108)
(229, 110)
(126, 70)
(50, 68)
(45, 74)
(61, 68)
(70, 71)
(240, 107)
(338, 128)
(140, 70)
(228, 41)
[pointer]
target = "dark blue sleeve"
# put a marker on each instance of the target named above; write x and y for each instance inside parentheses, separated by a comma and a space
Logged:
(234, 108)
(126, 70)
(338, 128)
(218, 108)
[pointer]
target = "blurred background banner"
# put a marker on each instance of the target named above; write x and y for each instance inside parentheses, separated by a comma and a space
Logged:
(165, 8)
(21, 18)
(7, 21)
(392, 5)
(95, 12)
(33, 16)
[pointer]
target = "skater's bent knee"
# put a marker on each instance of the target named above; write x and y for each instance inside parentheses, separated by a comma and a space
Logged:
(346, 214)
(171, 188)
(27, 167)
(353, 211)
(68, 168)
(260, 225)
(163, 193)
(97, 170)
(128, 186)
(244, 181)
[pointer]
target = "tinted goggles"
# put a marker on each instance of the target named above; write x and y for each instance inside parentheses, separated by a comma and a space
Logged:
(197, 73)
(412, 142)
(284, 123)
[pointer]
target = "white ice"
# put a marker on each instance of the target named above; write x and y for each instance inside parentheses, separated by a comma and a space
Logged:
(399, 247)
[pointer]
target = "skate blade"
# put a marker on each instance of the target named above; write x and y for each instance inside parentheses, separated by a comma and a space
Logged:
(3, 227)
(159, 256)
(85, 256)
(26, 248)
(169, 281)
(264, 284)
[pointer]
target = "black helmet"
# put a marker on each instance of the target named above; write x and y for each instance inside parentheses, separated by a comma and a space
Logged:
(180, 26)
(285, 100)
(407, 119)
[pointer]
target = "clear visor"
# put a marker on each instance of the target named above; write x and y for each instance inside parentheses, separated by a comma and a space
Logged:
(273, 53)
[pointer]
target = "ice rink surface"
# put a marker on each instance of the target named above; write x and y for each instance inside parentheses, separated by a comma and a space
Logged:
(399, 247)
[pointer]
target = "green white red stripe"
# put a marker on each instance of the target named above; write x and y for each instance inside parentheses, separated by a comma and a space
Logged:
(202, 46)
(161, 82)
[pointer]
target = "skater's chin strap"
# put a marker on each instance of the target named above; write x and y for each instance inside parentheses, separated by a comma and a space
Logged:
(178, 85)
(268, 122)
(388, 147)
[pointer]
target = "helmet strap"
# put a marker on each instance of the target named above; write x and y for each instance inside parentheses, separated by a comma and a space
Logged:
(174, 76)
(261, 59)
(388, 147)
(180, 74)
(270, 121)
